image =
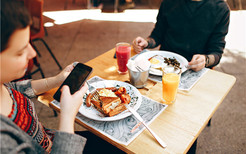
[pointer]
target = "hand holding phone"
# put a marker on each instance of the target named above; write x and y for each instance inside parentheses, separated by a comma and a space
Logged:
(75, 79)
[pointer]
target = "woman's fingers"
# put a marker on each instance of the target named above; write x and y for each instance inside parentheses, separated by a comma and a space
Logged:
(65, 91)
(82, 90)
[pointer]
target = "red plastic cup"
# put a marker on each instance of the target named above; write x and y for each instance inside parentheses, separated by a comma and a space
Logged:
(123, 53)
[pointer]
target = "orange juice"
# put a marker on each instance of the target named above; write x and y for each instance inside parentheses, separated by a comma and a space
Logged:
(170, 83)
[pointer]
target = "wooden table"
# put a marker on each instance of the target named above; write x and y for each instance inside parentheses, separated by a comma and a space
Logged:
(181, 123)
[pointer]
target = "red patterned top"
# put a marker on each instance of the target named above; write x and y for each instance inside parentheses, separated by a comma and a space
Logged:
(23, 114)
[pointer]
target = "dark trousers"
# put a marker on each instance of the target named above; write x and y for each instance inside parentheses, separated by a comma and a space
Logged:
(95, 144)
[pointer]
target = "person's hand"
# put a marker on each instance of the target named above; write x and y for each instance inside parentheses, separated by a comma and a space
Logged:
(43, 85)
(65, 72)
(70, 105)
(197, 62)
(139, 44)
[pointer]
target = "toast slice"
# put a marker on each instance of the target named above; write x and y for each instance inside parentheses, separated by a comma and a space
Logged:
(109, 103)
(120, 108)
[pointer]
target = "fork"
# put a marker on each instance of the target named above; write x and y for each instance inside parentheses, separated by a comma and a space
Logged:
(187, 66)
(139, 69)
(95, 95)
(90, 87)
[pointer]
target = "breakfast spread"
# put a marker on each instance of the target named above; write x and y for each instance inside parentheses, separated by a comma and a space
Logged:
(109, 101)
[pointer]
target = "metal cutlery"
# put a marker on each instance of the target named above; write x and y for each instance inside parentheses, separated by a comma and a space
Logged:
(90, 87)
(96, 95)
(139, 69)
(158, 139)
(187, 66)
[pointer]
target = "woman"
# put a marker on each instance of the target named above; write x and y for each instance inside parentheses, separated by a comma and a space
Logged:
(20, 129)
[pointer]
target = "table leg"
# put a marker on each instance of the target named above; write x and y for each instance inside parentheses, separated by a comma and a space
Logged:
(116, 5)
(150, 5)
(88, 4)
(209, 122)
(240, 4)
(65, 5)
(193, 148)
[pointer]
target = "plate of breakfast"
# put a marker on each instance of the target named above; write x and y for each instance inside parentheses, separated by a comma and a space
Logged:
(160, 59)
(106, 102)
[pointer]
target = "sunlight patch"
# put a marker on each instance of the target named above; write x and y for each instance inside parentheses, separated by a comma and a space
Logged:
(63, 17)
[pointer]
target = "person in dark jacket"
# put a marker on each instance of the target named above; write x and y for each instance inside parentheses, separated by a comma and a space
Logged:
(195, 29)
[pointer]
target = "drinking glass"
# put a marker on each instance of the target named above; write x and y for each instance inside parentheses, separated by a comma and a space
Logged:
(170, 84)
(123, 53)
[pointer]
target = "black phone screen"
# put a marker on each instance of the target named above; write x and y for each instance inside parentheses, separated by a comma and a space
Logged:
(75, 79)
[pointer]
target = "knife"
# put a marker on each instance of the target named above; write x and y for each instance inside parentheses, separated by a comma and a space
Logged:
(158, 139)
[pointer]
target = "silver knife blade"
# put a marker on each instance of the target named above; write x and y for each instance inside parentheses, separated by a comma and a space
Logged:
(158, 139)
(135, 113)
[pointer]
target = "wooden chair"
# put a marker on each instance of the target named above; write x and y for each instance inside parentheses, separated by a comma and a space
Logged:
(35, 8)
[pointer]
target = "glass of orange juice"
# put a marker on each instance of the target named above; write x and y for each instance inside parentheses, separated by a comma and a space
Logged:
(170, 84)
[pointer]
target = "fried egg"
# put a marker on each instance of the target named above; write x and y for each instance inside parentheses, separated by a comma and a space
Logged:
(154, 61)
(107, 93)
(157, 62)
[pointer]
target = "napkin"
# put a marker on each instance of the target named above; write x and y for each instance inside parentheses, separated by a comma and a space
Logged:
(138, 64)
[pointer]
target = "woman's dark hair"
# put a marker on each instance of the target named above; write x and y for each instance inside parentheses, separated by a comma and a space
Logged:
(14, 16)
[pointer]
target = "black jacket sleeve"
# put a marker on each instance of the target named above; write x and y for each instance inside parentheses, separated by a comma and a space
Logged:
(216, 42)
(157, 33)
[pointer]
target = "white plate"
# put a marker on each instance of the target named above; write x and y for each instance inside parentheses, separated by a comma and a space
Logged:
(92, 113)
(183, 62)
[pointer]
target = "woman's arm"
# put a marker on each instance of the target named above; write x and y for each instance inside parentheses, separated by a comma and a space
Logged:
(42, 85)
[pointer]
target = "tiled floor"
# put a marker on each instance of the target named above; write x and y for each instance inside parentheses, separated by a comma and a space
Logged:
(80, 35)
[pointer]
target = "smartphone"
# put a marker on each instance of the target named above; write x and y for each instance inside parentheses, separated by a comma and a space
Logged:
(75, 79)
